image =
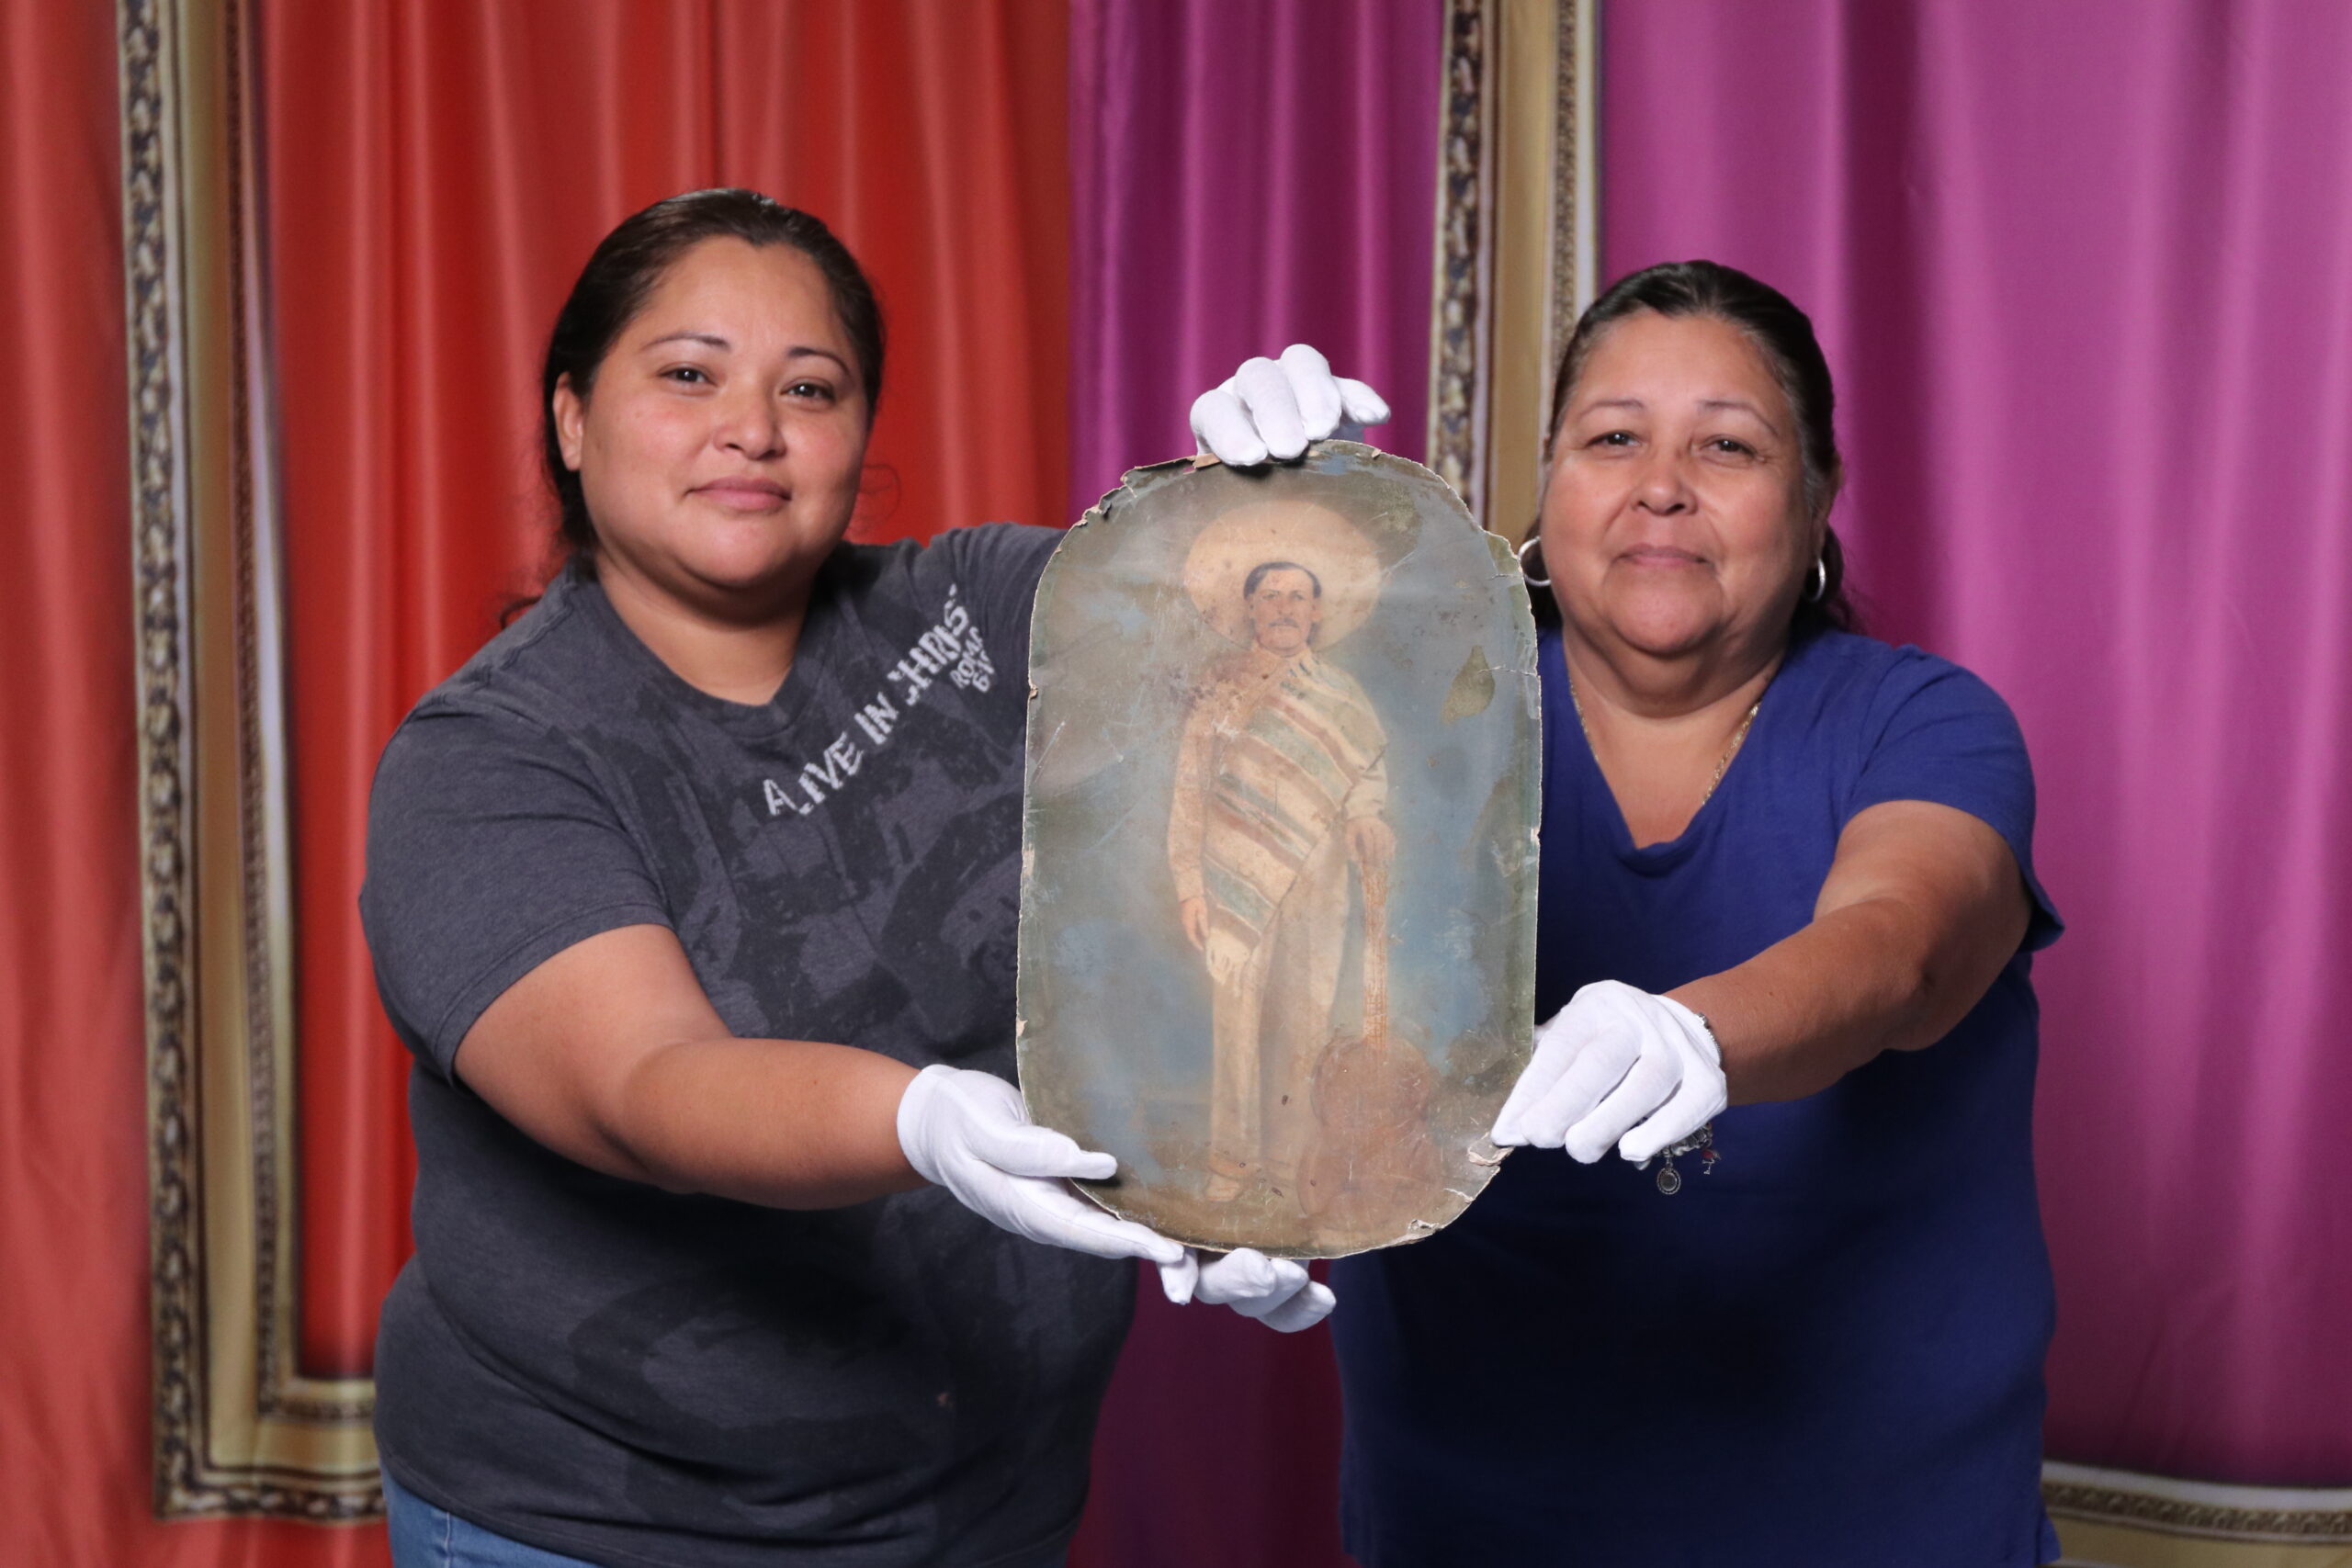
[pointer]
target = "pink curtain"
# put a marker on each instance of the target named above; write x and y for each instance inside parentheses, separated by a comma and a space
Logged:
(1243, 177)
(2085, 272)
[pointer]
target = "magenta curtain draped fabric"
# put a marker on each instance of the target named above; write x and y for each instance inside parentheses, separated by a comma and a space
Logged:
(1243, 177)
(2085, 273)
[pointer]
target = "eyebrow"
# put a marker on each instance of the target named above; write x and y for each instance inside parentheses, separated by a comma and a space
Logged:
(1738, 405)
(712, 340)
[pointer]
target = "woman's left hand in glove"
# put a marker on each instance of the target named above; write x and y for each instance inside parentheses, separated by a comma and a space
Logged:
(1616, 1066)
(1272, 407)
(1275, 1290)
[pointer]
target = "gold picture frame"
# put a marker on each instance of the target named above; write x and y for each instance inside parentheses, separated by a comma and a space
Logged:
(1518, 239)
(2116, 1519)
(237, 1429)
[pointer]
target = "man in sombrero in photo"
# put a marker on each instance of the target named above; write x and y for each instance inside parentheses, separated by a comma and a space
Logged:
(1280, 786)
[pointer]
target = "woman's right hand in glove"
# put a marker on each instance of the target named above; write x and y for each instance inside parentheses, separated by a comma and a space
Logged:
(968, 1132)
(1272, 407)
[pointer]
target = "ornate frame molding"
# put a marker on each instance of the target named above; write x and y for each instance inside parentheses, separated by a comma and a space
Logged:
(237, 1429)
(1517, 240)
(2118, 1516)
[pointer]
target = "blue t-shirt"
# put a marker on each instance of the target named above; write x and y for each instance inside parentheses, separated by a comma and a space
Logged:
(1826, 1348)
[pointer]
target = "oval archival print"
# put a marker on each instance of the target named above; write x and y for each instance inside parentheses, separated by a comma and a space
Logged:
(1278, 897)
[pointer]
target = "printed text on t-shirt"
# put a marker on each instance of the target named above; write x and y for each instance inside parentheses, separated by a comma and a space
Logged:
(949, 650)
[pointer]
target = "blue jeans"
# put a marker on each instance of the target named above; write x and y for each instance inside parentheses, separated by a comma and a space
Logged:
(427, 1537)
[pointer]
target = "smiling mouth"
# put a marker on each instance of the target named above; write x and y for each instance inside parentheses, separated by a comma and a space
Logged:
(744, 492)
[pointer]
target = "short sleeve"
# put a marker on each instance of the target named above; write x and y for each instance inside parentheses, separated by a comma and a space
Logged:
(490, 850)
(998, 566)
(1937, 733)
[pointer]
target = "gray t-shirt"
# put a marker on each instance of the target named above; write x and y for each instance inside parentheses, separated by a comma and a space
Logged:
(603, 1368)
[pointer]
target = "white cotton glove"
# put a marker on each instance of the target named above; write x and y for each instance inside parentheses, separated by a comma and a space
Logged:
(1275, 1290)
(1615, 1066)
(969, 1133)
(1274, 407)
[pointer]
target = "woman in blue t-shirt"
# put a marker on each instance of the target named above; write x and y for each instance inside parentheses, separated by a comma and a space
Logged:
(1788, 870)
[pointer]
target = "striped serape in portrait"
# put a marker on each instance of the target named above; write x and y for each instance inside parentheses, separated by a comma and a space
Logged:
(1271, 756)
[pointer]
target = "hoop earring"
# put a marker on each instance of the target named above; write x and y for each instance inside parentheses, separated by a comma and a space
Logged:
(1820, 589)
(1531, 542)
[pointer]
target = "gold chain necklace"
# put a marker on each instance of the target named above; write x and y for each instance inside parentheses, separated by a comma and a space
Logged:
(1737, 736)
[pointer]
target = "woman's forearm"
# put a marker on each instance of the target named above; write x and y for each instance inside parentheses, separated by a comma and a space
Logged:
(791, 1123)
(1922, 908)
(610, 1054)
(1809, 1010)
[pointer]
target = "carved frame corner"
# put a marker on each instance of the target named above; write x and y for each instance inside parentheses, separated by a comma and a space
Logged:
(238, 1430)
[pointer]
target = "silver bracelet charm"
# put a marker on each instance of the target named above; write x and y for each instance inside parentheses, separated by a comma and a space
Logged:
(1701, 1143)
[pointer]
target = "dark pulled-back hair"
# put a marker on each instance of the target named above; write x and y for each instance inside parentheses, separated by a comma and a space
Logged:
(629, 263)
(1783, 334)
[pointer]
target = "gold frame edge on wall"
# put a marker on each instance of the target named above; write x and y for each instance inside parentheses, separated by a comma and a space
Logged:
(1517, 240)
(237, 1429)
(2114, 1517)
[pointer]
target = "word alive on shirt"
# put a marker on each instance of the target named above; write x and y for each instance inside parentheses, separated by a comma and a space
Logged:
(950, 649)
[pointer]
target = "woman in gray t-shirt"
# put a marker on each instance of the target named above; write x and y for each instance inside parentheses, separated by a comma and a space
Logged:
(693, 894)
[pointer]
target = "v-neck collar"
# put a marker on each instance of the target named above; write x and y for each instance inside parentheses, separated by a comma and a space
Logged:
(1668, 853)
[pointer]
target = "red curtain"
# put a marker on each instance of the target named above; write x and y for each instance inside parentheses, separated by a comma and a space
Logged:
(72, 1155)
(75, 1476)
(437, 173)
